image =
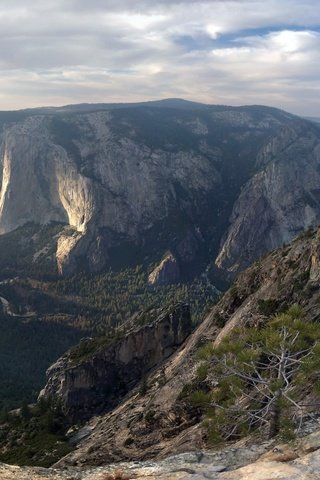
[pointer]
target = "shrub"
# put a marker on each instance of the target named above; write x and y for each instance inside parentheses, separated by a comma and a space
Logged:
(268, 307)
(205, 351)
(143, 387)
(259, 375)
(200, 399)
(202, 371)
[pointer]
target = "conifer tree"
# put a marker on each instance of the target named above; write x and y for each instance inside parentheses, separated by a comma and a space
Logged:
(256, 375)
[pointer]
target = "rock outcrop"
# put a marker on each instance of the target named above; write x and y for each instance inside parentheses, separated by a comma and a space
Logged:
(95, 375)
(179, 178)
(166, 273)
(159, 422)
(286, 462)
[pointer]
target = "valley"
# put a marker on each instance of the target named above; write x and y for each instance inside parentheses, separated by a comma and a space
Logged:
(112, 185)
(136, 240)
(167, 412)
(36, 311)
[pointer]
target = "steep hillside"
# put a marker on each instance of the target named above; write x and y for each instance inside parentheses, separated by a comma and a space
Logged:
(298, 461)
(151, 204)
(93, 377)
(142, 179)
(96, 374)
(162, 420)
(41, 319)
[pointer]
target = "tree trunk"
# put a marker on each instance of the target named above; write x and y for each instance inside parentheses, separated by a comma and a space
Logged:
(274, 426)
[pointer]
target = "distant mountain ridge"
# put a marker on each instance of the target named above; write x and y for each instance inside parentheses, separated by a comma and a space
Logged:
(314, 119)
(207, 183)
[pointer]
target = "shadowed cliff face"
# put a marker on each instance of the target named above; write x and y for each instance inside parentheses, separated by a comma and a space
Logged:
(93, 377)
(163, 420)
(201, 182)
(280, 200)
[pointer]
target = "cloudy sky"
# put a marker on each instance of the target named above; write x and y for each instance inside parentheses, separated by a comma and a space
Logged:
(56, 52)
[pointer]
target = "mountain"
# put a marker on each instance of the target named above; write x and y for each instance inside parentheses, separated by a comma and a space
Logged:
(314, 119)
(144, 388)
(162, 418)
(149, 205)
(125, 182)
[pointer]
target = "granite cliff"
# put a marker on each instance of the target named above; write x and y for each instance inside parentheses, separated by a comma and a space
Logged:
(96, 374)
(161, 421)
(280, 200)
(136, 386)
(160, 176)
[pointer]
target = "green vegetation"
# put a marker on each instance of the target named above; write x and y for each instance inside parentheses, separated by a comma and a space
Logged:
(258, 378)
(268, 307)
(27, 349)
(88, 346)
(68, 309)
(117, 296)
(144, 386)
(29, 250)
(33, 435)
(49, 314)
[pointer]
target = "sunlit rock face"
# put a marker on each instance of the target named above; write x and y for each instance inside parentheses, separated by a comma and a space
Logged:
(166, 273)
(200, 181)
(40, 183)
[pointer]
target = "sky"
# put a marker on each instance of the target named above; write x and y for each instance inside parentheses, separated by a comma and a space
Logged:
(57, 52)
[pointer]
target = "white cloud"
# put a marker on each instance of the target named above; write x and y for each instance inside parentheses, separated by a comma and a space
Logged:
(59, 51)
(137, 20)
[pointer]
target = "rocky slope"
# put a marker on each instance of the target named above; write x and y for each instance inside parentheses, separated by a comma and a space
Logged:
(160, 421)
(96, 374)
(160, 176)
(298, 461)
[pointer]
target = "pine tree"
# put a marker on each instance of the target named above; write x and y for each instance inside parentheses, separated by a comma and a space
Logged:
(25, 411)
(4, 415)
(255, 375)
